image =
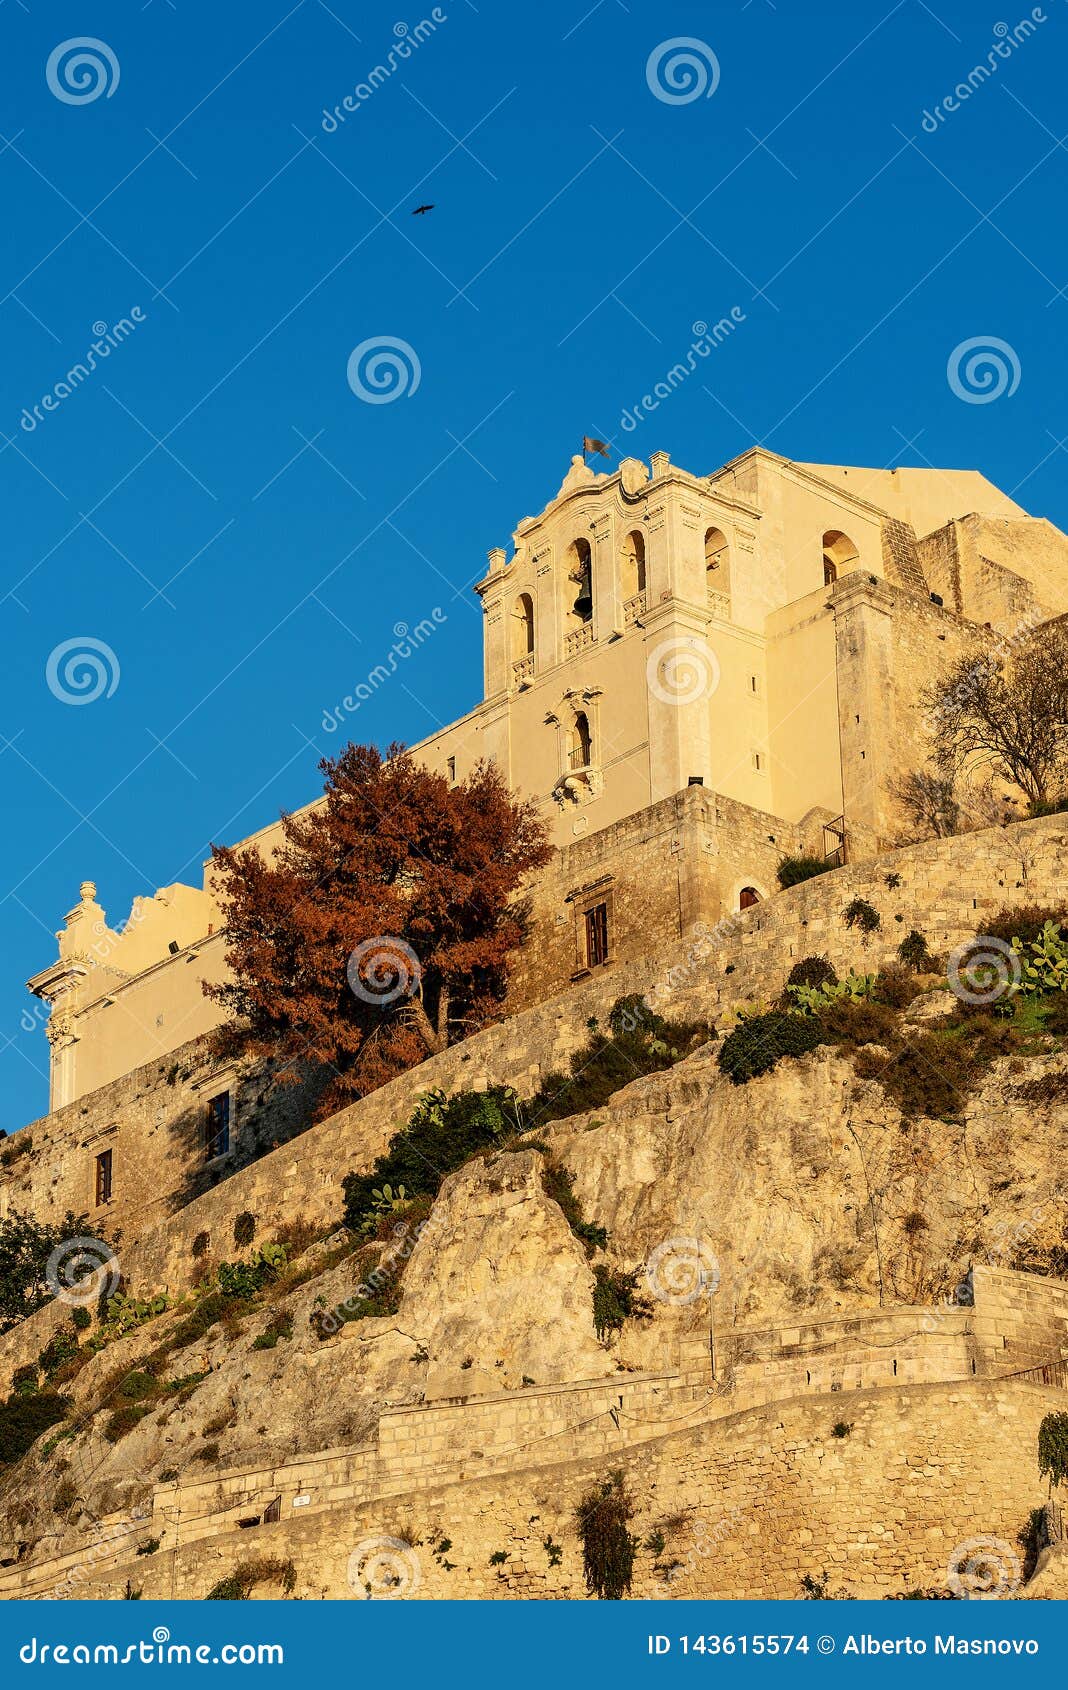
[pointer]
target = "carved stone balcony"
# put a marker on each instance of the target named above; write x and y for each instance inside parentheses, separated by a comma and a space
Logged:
(720, 605)
(633, 608)
(523, 669)
(579, 639)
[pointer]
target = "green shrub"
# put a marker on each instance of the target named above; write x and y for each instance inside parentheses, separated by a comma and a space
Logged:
(812, 971)
(934, 1072)
(616, 1298)
(207, 1313)
(558, 1183)
(639, 1041)
(278, 1329)
(1047, 806)
(26, 1245)
(1053, 1448)
(859, 913)
(914, 953)
(895, 986)
(756, 1045)
(24, 1418)
(60, 1348)
(608, 1546)
(242, 1280)
(793, 870)
(441, 1133)
(238, 1585)
(1025, 924)
(81, 1319)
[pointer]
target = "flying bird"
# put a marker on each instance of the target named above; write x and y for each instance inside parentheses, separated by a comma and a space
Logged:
(421, 210)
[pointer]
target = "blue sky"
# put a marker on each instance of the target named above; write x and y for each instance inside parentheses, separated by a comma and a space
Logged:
(217, 506)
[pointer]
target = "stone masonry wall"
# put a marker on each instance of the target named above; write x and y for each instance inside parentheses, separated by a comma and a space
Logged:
(421, 1449)
(747, 1507)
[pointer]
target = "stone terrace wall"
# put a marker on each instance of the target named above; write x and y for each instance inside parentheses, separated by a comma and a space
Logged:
(420, 1449)
(1021, 1319)
(748, 1505)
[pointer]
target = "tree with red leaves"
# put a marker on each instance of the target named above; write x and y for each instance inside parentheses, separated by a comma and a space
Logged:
(381, 930)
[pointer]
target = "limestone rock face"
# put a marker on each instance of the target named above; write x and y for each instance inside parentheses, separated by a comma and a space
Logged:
(498, 1288)
(801, 1194)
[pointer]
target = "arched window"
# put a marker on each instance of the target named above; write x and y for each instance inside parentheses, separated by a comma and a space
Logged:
(632, 565)
(580, 573)
(717, 561)
(747, 897)
(839, 555)
(581, 742)
(523, 627)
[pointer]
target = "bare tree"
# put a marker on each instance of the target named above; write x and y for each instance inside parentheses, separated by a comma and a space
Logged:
(928, 801)
(1008, 712)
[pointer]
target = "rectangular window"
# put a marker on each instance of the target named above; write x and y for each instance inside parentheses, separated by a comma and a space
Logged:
(452, 768)
(217, 1126)
(103, 1178)
(597, 936)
